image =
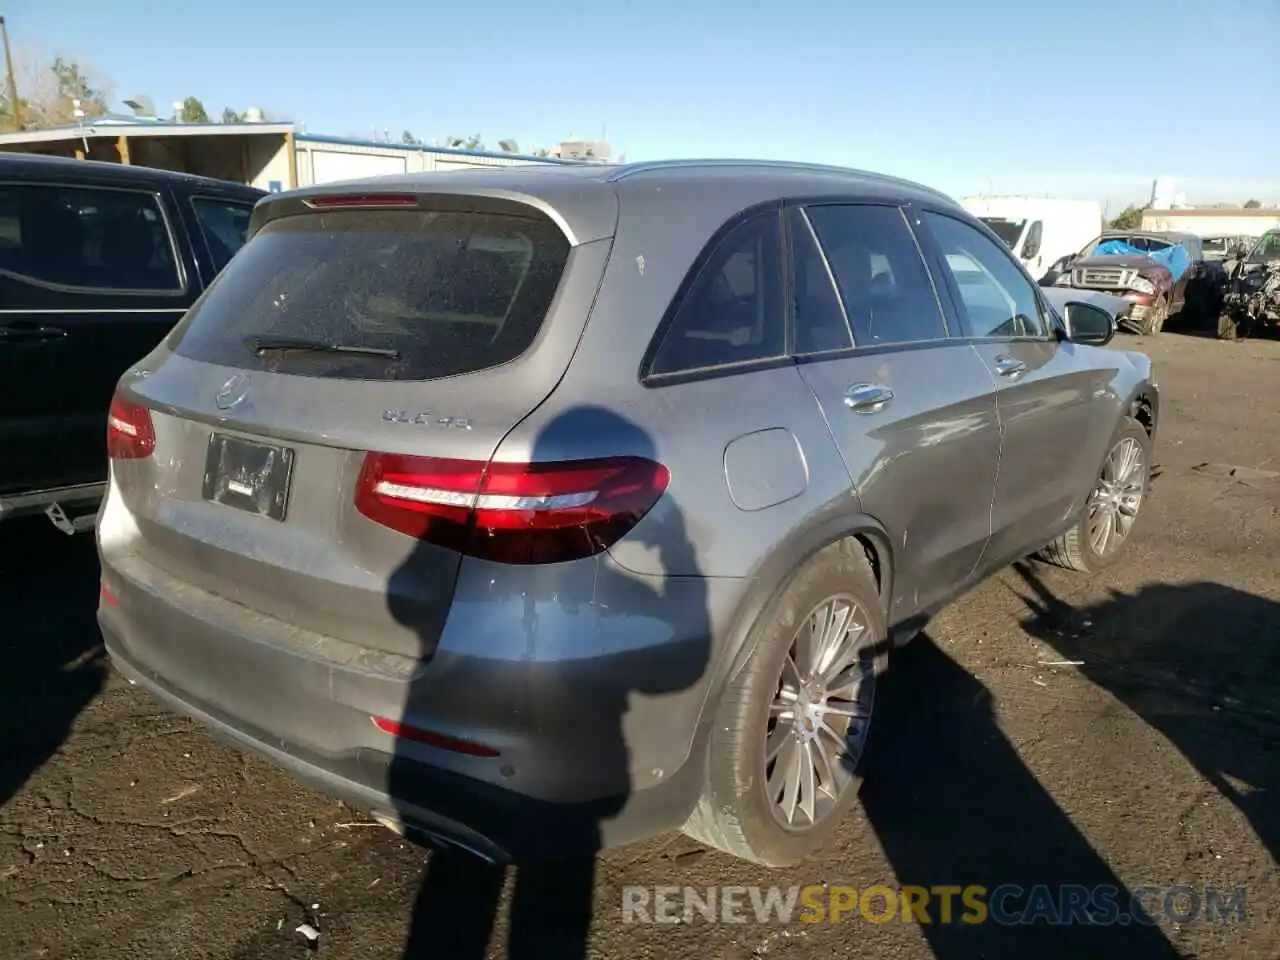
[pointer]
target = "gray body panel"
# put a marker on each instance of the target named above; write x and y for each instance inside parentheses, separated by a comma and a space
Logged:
(1056, 406)
(594, 679)
(925, 464)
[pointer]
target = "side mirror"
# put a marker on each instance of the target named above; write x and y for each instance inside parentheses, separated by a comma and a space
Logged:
(1089, 324)
(1031, 248)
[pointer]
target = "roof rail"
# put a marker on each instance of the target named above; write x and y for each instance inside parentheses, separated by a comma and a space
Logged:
(653, 166)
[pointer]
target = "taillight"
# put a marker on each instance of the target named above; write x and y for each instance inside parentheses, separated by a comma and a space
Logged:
(130, 433)
(511, 512)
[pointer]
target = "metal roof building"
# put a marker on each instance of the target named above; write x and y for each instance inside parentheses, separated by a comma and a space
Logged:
(1214, 221)
(270, 156)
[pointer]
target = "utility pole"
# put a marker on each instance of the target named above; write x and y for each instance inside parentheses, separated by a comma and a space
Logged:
(13, 84)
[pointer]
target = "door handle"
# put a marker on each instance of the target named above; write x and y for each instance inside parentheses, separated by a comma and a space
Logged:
(1010, 367)
(867, 397)
(27, 331)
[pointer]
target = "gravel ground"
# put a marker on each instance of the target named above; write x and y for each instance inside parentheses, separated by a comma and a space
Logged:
(126, 832)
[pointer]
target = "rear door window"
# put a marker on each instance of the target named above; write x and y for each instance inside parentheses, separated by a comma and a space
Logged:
(224, 225)
(886, 290)
(380, 295)
(70, 240)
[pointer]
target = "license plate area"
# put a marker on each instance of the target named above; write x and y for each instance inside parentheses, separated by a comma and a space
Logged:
(248, 476)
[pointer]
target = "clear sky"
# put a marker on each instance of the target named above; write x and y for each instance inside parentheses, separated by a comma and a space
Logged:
(1083, 98)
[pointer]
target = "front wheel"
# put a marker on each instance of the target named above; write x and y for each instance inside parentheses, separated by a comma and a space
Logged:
(1228, 329)
(1106, 521)
(1156, 316)
(789, 733)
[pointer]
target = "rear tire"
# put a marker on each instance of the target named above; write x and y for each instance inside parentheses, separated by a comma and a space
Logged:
(1117, 498)
(776, 813)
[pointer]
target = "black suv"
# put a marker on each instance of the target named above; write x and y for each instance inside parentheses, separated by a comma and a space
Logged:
(97, 262)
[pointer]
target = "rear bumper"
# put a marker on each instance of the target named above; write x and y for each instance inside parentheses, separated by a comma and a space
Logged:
(335, 777)
(585, 759)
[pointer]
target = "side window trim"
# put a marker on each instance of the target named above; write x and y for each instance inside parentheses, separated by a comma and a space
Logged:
(193, 265)
(799, 212)
(935, 263)
(911, 220)
(193, 202)
(175, 248)
(693, 276)
(938, 263)
(906, 211)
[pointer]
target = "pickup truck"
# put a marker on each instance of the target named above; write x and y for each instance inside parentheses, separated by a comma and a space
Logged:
(1160, 273)
(98, 261)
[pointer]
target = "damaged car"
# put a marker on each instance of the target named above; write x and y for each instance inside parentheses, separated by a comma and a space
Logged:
(1160, 274)
(1223, 249)
(1252, 298)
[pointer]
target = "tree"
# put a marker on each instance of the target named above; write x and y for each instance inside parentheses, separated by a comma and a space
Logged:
(47, 91)
(408, 137)
(11, 121)
(1130, 218)
(193, 111)
(231, 116)
(1252, 204)
(74, 85)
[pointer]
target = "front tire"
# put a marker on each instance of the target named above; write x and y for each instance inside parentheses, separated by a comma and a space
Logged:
(1154, 321)
(1107, 518)
(790, 729)
(1228, 329)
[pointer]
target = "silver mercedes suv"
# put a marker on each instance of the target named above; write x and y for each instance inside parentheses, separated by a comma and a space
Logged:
(536, 510)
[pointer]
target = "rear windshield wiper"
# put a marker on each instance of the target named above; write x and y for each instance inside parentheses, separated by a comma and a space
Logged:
(261, 344)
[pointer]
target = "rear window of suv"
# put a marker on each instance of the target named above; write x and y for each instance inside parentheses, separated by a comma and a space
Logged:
(380, 295)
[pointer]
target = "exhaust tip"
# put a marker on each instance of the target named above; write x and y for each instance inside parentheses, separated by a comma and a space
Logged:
(391, 823)
(433, 839)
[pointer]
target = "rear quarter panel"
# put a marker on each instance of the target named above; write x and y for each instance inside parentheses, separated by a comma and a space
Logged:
(696, 553)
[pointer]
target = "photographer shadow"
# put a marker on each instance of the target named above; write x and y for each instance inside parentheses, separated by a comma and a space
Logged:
(605, 618)
(50, 644)
(1199, 663)
(953, 805)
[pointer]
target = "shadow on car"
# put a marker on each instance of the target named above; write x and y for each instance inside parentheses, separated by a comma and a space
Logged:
(1200, 663)
(953, 804)
(50, 647)
(552, 904)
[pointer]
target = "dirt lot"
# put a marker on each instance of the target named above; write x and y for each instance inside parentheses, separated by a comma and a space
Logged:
(126, 832)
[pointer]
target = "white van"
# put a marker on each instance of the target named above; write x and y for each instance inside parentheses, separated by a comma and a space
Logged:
(1039, 230)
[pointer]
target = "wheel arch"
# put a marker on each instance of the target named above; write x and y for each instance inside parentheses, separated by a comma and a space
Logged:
(1144, 406)
(774, 573)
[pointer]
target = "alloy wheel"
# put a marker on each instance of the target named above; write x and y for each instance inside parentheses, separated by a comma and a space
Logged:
(1116, 499)
(821, 713)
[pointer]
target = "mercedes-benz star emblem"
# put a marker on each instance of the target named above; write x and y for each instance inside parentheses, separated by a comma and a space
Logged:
(232, 392)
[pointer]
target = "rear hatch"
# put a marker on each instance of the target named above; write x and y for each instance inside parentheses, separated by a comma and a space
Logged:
(340, 345)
